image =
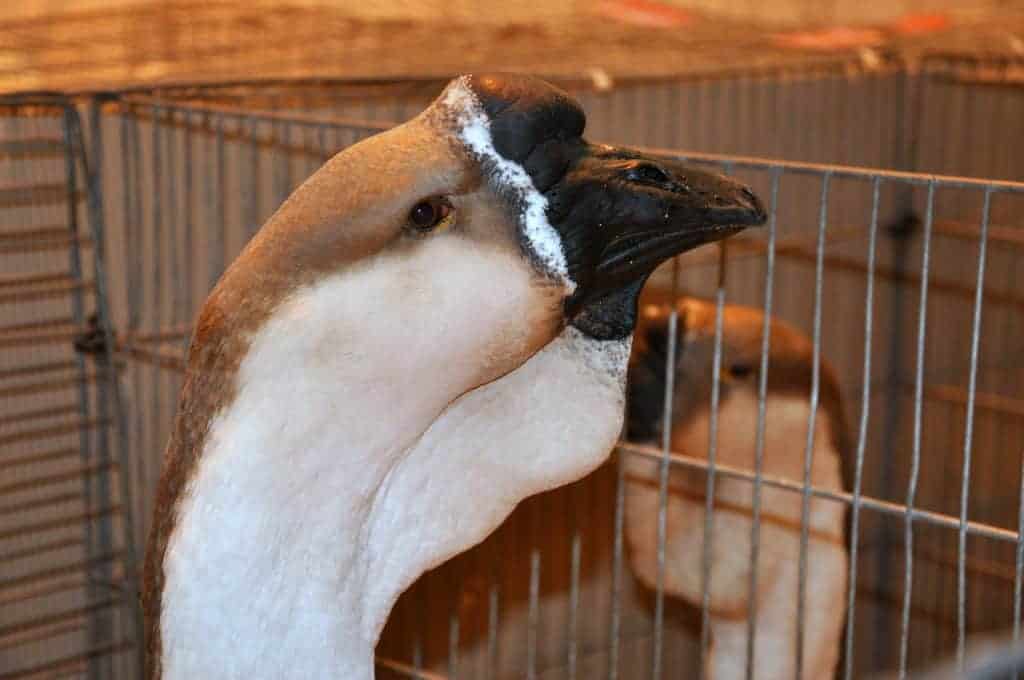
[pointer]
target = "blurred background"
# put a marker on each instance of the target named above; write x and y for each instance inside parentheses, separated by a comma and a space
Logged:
(48, 44)
(142, 143)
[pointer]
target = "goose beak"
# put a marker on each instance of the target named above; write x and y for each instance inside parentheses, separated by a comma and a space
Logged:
(622, 213)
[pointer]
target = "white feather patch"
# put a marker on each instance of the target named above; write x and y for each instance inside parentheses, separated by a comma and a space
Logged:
(475, 132)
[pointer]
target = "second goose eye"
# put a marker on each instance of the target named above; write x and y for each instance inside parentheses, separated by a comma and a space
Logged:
(429, 213)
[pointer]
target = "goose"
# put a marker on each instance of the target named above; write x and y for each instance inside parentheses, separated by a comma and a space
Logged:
(434, 326)
(790, 365)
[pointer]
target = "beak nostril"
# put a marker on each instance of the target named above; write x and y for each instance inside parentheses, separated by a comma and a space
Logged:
(647, 173)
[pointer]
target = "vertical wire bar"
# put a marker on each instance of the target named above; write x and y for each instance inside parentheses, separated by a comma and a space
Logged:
(892, 139)
(321, 135)
(250, 192)
(133, 269)
(129, 559)
(700, 114)
(576, 549)
(533, 614)
(805, 501)
(663, 470)
(717, 88)
(800, 98)
(968, 432)
(675, 95)
(131, 664)
(155, 373)
(862, 435)
(189, 238)
(173, 253)
(287, 171)
(453, 637)
(915, 464)
(615, 628)
(216, 209)
(98, 623)
(417, 639)
(279, 160)
(493, 604)
(759, 441)
(709, 498)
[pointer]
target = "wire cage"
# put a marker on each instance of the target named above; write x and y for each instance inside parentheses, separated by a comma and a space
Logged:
(67, 563)
(903, 275)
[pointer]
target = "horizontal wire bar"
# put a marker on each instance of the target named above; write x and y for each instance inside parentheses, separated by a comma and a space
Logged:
(39, 414)
(299, 119)
(15, 555)
(45, 385)
(167, 334)
(33, 233)
(30, 339)
(878, 505)
(52, 291)
(43, 245)
(53, 589)
(985, 401)
(59, 523)
(49, 480)
(735, 161)
(844, 171)
(951, 394)
(63, 663)
(18, 280)
(23, 326)
(58, 571)
(1012, 236)
(804, 255)
(169, 359)
(40, 503)
(36, 195)
(47, 634)
(54, 431)
(57, 617)
(32, 147)
(42, 457)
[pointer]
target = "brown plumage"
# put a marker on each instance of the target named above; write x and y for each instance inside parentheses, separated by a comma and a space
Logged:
(789, 386)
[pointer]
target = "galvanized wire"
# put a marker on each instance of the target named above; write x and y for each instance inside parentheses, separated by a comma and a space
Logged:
(759, 442)
(915, 461)
(663, 470)
(862, 432)
(972, 383)
(805, 503)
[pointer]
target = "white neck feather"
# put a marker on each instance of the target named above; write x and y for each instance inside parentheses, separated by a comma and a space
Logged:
(348, 465)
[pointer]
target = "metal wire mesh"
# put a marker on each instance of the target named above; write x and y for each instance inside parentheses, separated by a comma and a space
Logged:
(66, 566)
(906, 282)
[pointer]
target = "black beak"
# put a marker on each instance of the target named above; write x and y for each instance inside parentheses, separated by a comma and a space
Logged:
(622, 213)
(619, 212)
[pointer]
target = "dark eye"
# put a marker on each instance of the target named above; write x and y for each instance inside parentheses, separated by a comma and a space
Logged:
(741, 371)
(428, 213)
(647, 173)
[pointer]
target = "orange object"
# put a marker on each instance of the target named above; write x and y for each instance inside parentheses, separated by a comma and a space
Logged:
(924, 22)
(645, 13)
(835, 38)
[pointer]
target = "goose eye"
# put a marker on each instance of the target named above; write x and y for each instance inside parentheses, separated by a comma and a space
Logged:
(740, 371)
(429, 213)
